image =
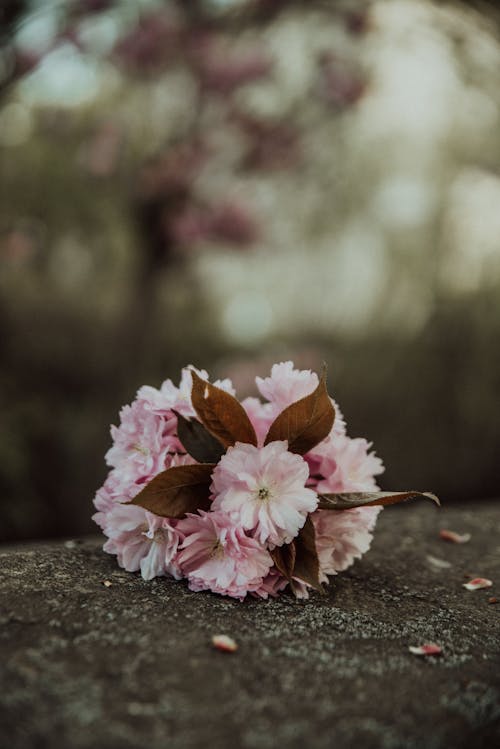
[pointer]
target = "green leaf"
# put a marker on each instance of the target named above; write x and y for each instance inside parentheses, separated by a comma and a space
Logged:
(306, 422)
(368, 499)
(221, 414)
(306, 566)
(176, 491)
(198, 441)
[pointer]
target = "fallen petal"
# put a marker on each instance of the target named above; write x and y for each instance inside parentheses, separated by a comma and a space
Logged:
(440, 564)
(107, 583)
(429, 648)
(224, 643)
(477, 583)
(454, 538)
(492, 600)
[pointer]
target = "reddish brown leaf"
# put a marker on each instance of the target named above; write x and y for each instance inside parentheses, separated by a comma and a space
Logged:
(176, 491)
(306, 422)
(368, 499)
(198, 441)
(221, 414)
(306, 566)
(284, 559)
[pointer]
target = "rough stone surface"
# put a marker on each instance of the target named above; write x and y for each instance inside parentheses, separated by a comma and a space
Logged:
(131, 665)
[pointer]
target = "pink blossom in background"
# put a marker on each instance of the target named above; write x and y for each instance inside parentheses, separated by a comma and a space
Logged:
(271, 144)
(151, 45)
(231, 222)
(228, 222)
(219, 69)
(218, 556)
(172, 172)
(263, 490)
(342, 537)
(340, 84)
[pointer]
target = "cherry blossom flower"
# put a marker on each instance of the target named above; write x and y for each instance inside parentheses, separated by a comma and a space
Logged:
(139, 445)
(356, 467)
(272, 585)
(342, 537)
(263, 490)
(142, 541)
(161, 401)
(218, 556)
(286, 384)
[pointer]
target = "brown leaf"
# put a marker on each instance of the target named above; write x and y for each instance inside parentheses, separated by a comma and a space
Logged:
(221, 414)
(176, 491)
(306, 422)
(368, 499)
(306, 566)
(284, 559)
(198, 441)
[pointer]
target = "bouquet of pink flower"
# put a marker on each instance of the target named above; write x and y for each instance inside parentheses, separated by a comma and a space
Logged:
(237, 497)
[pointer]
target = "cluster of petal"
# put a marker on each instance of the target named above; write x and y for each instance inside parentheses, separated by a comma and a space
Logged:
(144, 444)
(263, 491)
(286, 384)
(142, 541)
(342, 537)
(344, 464)
(216, 555)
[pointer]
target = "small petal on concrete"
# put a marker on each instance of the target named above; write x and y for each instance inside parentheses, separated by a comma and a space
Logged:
(477, 583)
(429, 648)
(224, 643)
(439, 564)
(454, 538)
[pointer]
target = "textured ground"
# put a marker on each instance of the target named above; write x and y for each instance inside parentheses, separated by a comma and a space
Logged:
(131, 665)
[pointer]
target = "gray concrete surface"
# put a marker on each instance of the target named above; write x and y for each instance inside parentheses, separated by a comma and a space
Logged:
(132, 666)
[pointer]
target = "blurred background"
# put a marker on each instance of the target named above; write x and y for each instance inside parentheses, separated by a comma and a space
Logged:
(231, 183)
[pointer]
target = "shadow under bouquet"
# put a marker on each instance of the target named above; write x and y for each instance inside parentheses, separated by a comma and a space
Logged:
(239, 498)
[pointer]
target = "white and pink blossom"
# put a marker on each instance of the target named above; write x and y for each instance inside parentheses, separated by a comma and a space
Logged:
(342, 537)
(216, 555)
(263, 490)
(142, 540)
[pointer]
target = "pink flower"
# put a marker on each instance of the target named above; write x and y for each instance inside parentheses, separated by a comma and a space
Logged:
(140, 445)
(355, 469)
(142, 541)
(263, 490)
(286, 384)
(161, 401)
(272, 585)
(217, 556)
(342, 537)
